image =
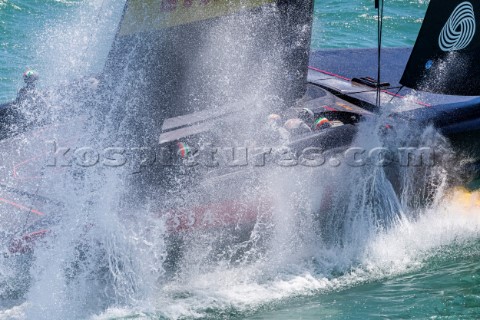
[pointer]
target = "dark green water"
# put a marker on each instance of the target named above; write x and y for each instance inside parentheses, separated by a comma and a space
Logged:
(427, 270)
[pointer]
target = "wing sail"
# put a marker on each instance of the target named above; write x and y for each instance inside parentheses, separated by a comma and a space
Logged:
(444, 59)
(184, 56)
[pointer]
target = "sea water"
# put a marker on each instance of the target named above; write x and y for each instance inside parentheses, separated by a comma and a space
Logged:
(423, 265)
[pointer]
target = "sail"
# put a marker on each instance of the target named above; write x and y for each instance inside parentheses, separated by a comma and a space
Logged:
(182, 56)
(445, 56)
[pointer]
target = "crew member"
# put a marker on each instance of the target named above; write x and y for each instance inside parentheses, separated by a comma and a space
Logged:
(28, 91)
(296, 126)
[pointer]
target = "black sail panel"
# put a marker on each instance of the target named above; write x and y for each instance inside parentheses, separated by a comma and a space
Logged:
(444, 59)
(175, 57)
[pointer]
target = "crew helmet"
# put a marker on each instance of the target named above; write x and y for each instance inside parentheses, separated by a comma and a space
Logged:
(30, 76)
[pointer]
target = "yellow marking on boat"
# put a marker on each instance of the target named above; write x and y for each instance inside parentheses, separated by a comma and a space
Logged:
(467, 200)
(343, 105)
(151, 15)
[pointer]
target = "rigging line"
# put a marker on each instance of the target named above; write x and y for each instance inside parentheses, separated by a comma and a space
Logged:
(27, 217)
(396, 94)
(379, 4)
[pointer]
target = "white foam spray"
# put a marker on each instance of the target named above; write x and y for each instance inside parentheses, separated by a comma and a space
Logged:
(105, 259)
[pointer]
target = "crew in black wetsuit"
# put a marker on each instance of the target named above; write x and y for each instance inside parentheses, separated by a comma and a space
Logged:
(29, 91)
(30, 105)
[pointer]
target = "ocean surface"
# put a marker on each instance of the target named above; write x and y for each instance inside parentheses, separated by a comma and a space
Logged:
(427, 268)
(25, 27)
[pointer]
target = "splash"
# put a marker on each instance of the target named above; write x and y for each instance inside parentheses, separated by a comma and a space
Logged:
(110, 252)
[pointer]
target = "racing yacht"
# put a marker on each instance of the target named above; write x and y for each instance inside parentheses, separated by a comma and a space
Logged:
(187, 77)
